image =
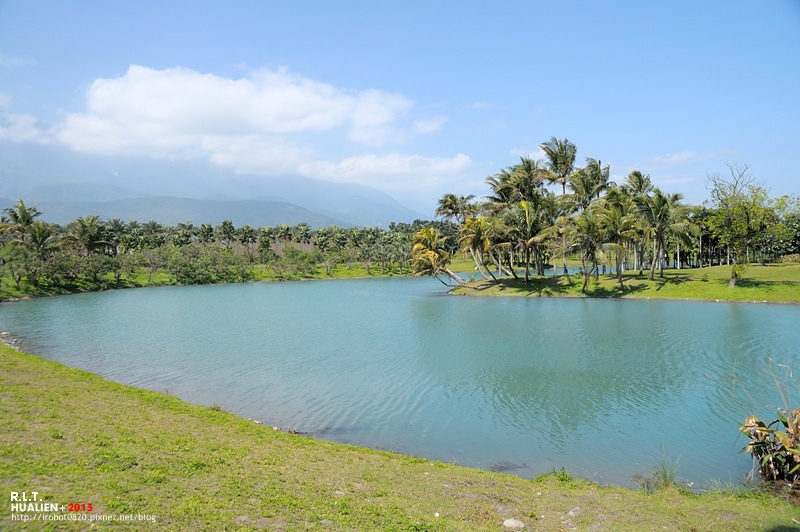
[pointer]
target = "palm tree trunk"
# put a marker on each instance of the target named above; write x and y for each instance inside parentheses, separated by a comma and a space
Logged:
(653, 263)
(478, 266)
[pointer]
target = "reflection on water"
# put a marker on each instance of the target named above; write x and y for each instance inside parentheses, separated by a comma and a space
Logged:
(601, 387)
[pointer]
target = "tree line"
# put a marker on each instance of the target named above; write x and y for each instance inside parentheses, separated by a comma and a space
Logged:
(91, 253)
(524, 226)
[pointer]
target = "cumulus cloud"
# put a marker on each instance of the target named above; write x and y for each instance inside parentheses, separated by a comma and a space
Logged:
(269, 122)
(174, 112)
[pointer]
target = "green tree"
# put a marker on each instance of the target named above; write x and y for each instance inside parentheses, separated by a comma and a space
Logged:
(451, 206)
(560, 155)
(740, 214)
(429, 256)
(662, 215)
(87, 234)
(19, 219)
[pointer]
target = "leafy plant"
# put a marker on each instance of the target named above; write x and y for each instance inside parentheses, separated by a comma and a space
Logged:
(775, 446)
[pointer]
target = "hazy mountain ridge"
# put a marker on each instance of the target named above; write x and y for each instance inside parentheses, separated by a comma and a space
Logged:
(171, 211)
(55, 177)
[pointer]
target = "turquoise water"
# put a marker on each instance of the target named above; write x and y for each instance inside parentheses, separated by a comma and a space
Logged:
(603, 388)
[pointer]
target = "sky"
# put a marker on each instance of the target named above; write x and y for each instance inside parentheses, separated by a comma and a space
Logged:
(414, 98)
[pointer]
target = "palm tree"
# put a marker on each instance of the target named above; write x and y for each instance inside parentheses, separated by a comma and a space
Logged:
(302, 234)
(20, 218)
(87, 234)
(589, 237)
(226, 232)
(41, 238)
(115, 230)
(474, 238)
(619, 228)
(638, 185)
(430, 257)
(455, 207)
(526, 229)
(560, 160)
(662, 214)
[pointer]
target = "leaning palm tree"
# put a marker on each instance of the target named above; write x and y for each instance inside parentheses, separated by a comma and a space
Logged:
(474, 239)
(429, 256)
(560, 155)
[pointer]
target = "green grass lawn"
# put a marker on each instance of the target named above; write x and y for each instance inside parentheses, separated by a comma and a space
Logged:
(77, 438)
(775, 283)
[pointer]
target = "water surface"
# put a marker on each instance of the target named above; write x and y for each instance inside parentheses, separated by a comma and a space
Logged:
(602, 388)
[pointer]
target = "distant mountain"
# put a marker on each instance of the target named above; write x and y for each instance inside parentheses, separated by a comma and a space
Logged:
(81, 192)
(171, 211)
(50, 174)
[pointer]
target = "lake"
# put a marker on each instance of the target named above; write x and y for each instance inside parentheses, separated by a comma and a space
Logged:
(602, 388)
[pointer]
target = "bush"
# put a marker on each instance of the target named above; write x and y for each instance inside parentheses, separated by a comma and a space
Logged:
(777, 452)
(794, 258)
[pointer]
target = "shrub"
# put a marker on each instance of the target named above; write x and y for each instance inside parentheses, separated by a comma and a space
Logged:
(777, 452)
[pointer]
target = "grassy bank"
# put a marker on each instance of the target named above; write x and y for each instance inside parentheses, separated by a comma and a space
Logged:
(774, 283)
(77, 438)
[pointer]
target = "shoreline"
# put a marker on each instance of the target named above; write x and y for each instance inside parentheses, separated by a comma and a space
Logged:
(515, 287)
(196, 467)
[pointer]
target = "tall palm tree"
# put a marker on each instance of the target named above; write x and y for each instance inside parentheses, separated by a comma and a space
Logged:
(638, 185)
(662, 214)
(455, 207)
(560, 155)
(619, 228)
(589, 237)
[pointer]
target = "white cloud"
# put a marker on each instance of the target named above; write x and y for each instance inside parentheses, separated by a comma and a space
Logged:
(536, 153)
(271, 122)
(20, 128)
(685, 157)
(431, 125)
(391, 172)
(7, 61)
(173, 112)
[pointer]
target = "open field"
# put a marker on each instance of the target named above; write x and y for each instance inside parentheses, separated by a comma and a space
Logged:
(77, 438)
(774, 283)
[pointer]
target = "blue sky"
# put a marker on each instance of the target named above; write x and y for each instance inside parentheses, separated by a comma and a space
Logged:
(413, 98)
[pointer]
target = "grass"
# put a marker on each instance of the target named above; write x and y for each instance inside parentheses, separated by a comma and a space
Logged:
(775, 283)
(77, 438)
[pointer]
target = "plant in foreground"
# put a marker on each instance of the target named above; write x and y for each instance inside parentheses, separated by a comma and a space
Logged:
(776, 451)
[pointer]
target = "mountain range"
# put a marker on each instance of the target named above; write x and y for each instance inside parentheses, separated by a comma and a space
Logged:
(66, 185)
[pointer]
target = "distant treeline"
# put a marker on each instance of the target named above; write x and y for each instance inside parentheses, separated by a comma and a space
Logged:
(90, 253)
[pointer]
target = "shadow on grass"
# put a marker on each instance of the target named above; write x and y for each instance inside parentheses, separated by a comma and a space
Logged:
(757, 283)
(545, 287)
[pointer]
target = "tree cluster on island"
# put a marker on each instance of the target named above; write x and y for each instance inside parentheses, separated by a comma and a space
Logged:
(522, 224)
